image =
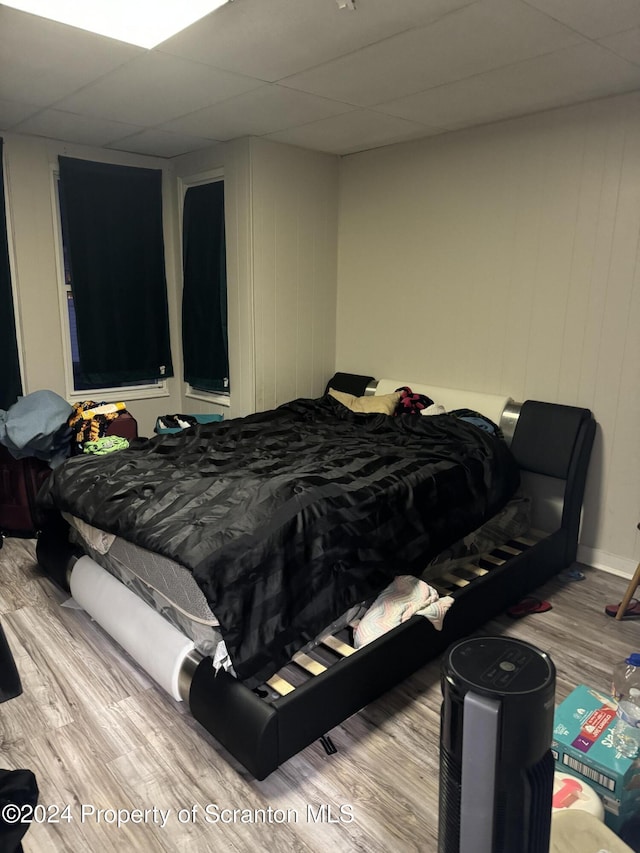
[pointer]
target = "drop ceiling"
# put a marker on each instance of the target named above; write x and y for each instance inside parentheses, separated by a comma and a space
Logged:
(309, 73)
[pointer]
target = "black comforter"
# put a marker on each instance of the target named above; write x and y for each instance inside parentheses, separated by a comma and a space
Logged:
(287, 518)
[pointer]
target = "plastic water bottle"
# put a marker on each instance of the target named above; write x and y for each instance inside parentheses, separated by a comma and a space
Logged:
(626, 689)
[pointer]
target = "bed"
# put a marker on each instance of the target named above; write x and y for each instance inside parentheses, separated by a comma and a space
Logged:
(322, 529)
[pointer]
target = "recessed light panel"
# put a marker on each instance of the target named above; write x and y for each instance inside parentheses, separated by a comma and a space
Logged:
(145, 23)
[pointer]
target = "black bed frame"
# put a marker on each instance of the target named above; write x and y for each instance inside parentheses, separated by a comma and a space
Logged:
(552, 444)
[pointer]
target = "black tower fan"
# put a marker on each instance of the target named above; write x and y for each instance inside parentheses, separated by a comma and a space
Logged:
(496, 765)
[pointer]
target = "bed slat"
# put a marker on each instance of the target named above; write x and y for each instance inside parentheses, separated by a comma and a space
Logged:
(477, 570)
(338, 646)
(309, 664)
(509, 549)
(497, 561)
(280, 685)
(451, 578)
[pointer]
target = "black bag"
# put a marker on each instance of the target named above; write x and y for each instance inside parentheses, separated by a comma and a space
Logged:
(18, 788)
(20, 481)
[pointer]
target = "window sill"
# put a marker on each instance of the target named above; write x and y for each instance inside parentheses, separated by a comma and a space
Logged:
(117, 395)
(209, 397)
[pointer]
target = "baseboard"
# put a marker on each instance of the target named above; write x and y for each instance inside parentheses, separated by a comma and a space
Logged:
(621, 566)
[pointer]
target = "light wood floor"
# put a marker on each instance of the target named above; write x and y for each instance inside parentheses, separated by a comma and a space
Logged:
(99, 735)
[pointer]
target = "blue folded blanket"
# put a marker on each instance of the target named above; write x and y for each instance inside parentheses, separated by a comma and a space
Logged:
(37, 426)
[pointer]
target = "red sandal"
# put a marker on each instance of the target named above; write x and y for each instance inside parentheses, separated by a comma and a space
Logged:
(632, 611)
(528, 605)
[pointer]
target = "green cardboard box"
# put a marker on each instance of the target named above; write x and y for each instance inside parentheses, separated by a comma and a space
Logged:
(583, 745)
(201, 419)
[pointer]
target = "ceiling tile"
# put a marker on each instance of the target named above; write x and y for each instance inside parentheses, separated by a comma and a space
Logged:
(487, 35)
(264, 110)
(563, 77)
(85, 130)
(275, 39)
(350, 132)
(625, 44)
(592, 18)
(12, 112)
(309, 73)
(42, 61)
(155, 88)
(159, 143)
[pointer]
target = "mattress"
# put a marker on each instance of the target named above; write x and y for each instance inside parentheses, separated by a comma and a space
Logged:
(171, 590)
(164, 585)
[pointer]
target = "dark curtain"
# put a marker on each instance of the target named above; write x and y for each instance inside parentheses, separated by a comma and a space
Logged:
(204, 298)
(112, 227)
(10, 383)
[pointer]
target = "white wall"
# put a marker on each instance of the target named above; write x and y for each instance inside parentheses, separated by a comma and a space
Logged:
(505, 259)
(295, 209)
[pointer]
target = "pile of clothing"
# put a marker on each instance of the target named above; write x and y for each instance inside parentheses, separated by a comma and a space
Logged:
(89, 423)
(45, 426)
(37, 425)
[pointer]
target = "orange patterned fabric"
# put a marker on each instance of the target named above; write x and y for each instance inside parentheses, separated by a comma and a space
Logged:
(88, 429)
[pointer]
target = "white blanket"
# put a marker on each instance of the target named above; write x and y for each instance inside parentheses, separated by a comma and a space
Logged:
(405, 597)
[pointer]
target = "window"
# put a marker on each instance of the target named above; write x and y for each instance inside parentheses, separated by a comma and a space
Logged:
(80, 381)
(204, 297)
(112, 260)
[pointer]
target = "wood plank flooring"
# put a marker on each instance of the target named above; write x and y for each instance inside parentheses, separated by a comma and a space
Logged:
(100, 735)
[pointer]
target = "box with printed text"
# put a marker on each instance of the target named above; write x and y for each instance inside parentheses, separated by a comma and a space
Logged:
(583, 745)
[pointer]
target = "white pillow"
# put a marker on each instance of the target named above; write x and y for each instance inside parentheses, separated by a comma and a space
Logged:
(434, 409)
